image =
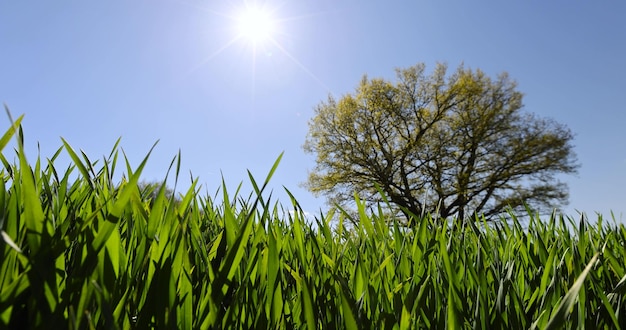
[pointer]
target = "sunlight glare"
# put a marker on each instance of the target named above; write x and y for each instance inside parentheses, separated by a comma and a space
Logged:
(256, 25)
(258, 28)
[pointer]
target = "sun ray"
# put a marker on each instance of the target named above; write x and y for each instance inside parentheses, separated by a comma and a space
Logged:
(210, 57)
(300, 65)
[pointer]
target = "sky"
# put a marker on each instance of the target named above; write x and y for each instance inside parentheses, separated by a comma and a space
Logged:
(182, 73)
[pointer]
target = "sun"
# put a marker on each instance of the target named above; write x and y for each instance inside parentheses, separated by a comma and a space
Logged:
(255, 25)
(261, 28)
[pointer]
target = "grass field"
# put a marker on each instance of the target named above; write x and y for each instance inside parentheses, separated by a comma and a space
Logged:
(94, 253)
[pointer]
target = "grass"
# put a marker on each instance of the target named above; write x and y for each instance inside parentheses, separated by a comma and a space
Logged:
(94, 253)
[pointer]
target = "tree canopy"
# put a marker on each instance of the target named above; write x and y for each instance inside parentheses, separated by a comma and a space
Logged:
(449, 144)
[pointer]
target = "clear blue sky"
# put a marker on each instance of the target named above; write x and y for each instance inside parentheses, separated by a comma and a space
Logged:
(92, 71)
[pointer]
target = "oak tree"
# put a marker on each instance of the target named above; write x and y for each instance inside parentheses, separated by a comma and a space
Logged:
(449, 144)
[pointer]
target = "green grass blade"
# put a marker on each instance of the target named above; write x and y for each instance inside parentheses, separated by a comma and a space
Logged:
(77, 162)
(348, 315)
(563, 310)
(33, 212)
(7, 239)
(130, 188)
(11, 131)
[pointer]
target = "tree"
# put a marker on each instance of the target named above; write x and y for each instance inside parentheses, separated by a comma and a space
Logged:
(452, 145)
(150, 190)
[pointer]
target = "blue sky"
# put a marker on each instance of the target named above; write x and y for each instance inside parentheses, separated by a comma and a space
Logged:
(175, 70)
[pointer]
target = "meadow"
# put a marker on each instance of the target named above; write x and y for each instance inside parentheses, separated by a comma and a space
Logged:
(81, 250)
